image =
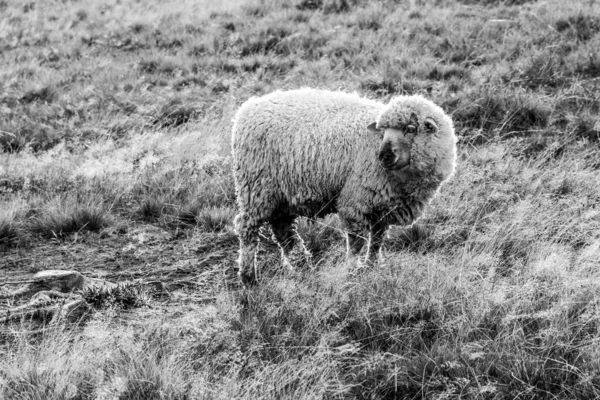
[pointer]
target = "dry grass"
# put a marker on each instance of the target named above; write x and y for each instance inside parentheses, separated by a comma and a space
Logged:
(115, 121)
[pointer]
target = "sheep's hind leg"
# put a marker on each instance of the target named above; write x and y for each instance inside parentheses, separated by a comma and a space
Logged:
(285, 236)
(355, 242)
(247, 229)
(290, 243)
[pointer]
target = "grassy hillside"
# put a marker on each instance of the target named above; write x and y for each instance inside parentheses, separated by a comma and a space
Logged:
(114, 130)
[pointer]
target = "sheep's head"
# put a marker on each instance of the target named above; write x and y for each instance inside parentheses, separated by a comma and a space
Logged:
(417, 137)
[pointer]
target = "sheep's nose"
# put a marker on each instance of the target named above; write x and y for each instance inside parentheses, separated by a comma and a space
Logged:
(386, 156)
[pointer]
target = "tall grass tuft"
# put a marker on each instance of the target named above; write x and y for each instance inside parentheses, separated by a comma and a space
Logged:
(61, 220)
(11, 228)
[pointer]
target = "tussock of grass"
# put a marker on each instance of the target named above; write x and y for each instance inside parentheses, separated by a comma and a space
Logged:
(22, 134)
(175, 112)
(11, 228)
(124, 295)
(160, 65)
(417, 237)
(189, 81)
(9, 233)
(46, 94)
(583, 27)
(193, 194)
(151, 209)
(208, 219)
(62, 220)
(586, 126)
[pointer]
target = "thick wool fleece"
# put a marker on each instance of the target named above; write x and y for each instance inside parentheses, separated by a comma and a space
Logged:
(309, 153)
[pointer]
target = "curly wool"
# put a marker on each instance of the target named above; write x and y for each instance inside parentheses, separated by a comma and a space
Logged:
(297, 149)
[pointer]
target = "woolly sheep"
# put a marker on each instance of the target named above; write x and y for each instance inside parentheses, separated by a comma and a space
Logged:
(312, 152)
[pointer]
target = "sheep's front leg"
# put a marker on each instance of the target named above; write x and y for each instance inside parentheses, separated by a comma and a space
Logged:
(355, 243)
(376, 241)
(357, 231)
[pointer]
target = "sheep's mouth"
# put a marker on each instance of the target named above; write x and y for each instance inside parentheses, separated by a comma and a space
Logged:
(394, 164)
(393, 160)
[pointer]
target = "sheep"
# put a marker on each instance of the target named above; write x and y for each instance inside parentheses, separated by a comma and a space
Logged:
(312, 152)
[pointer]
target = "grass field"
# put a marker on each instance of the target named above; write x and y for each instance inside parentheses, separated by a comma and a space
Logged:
(115, 119)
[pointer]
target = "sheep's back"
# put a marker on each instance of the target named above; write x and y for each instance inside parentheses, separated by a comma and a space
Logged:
(304, 144)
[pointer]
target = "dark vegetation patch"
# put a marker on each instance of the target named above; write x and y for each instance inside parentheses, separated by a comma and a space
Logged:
(176, 112)
(367, 19)
(25, 132)
(169, 43)
(11, 232)
(151, 209)
(327, 6)
(439, 73)
(586, 127)
(159, 65)
(81, 15)
(126, 295)
(46, 94)
(220, 87)
(188, 82)
(198, 50)
(207, 219)
(309, 4)
(497, 2)
(581, 27)
(589, 67)
(417, 237)
(28, 6)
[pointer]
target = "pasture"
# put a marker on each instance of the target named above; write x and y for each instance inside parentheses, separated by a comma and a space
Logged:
(115, 121)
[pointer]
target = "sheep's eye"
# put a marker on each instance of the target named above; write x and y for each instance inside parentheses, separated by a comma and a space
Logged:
(411, 129)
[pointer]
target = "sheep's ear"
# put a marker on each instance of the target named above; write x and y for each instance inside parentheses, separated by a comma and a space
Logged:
(373, 127)
(431, 126)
